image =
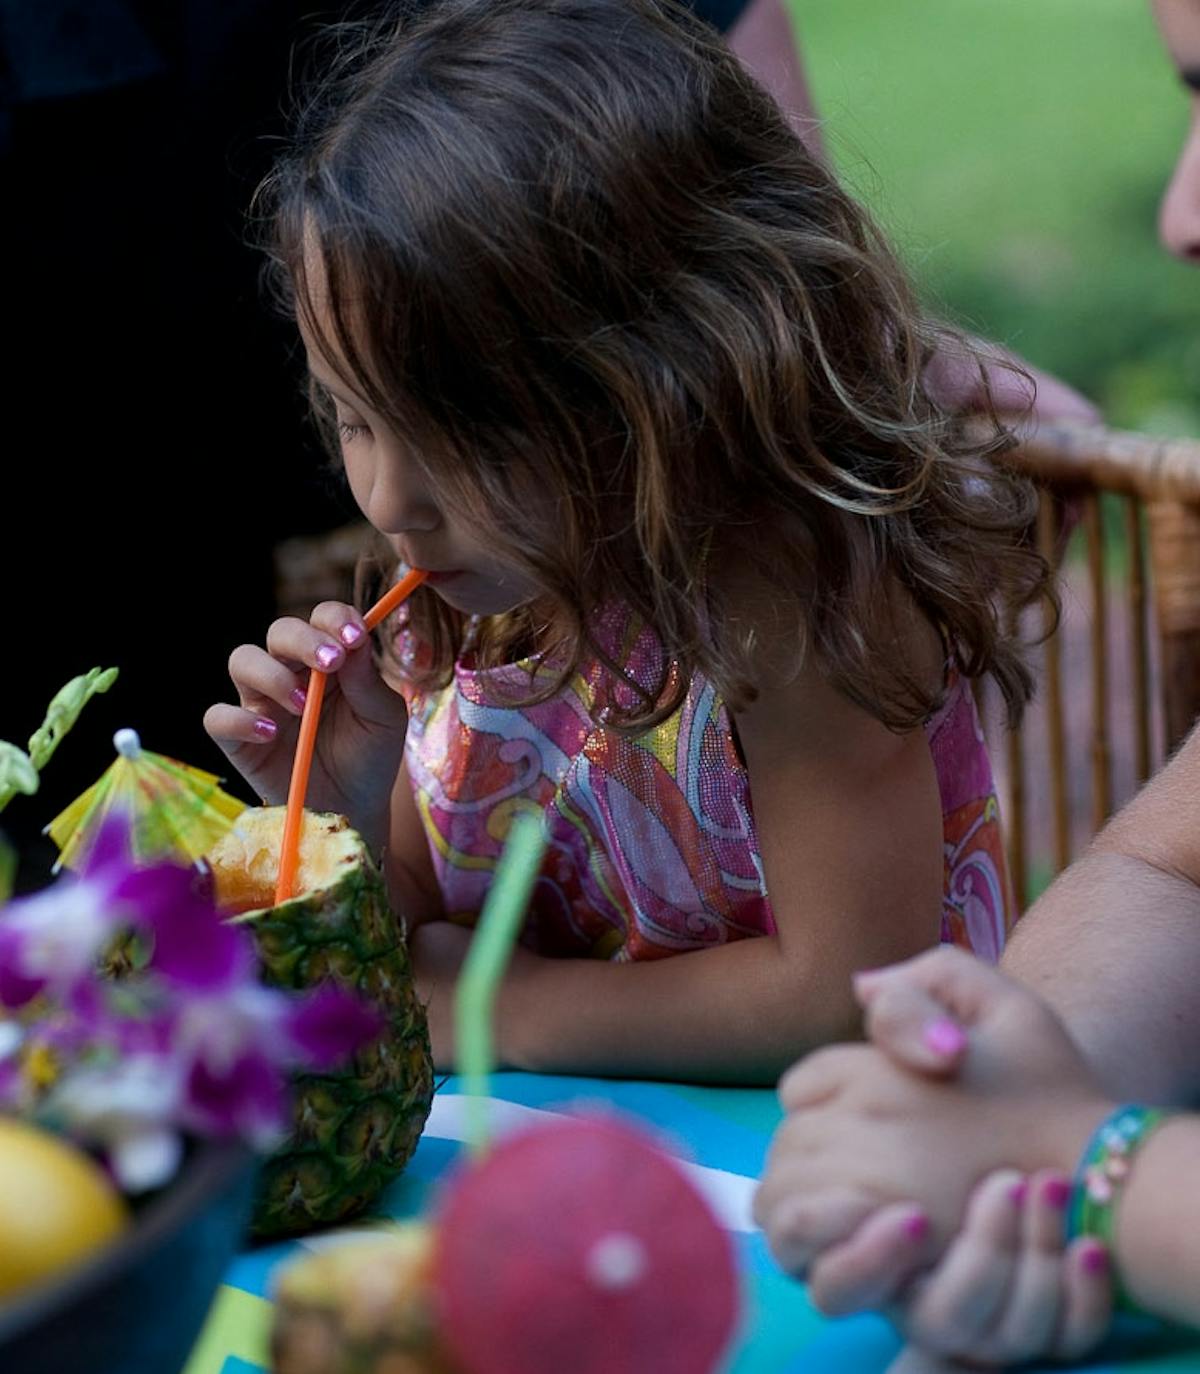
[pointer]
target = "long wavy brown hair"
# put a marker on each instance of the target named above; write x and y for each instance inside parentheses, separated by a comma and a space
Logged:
(637, 334)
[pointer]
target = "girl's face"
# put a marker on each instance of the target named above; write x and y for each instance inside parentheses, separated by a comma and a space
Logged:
(1179, 217)
(393, 494)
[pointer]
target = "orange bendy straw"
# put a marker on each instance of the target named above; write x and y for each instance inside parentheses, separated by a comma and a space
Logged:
(289, 850)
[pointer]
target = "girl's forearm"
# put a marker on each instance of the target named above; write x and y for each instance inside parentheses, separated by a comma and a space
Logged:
(1158, 1223)
(738, 1013)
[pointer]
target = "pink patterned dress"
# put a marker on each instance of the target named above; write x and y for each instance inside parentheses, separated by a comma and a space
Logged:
(652, 844)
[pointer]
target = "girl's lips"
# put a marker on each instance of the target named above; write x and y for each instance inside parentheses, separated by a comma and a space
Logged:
(438, 578)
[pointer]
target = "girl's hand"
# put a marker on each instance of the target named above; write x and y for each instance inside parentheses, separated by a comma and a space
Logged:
(1007, 1290)
(360, 742)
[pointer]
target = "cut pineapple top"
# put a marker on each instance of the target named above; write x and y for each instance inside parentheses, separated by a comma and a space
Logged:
(401, 1255)
(245, 862)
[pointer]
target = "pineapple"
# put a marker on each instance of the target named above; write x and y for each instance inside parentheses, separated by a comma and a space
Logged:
(354, 1128)
(360, 1307)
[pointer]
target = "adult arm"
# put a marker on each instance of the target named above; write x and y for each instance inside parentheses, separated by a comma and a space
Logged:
(1114, 944)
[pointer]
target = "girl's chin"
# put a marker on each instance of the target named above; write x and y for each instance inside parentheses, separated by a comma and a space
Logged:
(476, 595)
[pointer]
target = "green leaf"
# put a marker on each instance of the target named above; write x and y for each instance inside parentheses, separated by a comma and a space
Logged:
(17, 773)
(8, 869)
(63, 712)
(18, 770)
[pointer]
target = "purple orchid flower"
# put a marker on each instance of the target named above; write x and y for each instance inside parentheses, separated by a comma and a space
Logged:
(192, 1042)
(247, 1098)
(330, 1025)
(242, 1040)
(50, 942)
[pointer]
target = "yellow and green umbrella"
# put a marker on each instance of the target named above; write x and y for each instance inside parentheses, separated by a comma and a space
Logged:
(174, 811)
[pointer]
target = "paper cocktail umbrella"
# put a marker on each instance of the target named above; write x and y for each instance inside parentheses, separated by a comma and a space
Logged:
(175, 811)
(578, 1245)
(581, 1246)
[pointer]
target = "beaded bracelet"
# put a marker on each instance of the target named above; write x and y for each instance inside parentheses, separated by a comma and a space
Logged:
(1102, 1171)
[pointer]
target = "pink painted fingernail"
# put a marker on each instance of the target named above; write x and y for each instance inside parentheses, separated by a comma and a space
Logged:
(1093, 1259)
(298, 697)
(1056, 1192)
(327, 655)
(945, 1037)
(917, 1226)
(265, 729)
(350, 635)
(1018, 1192)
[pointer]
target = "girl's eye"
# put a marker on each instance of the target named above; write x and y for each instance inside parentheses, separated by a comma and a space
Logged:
(348, 432)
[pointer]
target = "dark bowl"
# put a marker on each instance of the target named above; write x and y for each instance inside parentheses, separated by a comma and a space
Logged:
(136, 1307)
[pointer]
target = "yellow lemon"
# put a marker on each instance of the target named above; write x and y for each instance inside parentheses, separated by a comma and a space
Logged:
(56, 1206)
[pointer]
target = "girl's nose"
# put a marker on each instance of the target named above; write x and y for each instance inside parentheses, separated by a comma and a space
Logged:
(1179, 218)
(398, 501)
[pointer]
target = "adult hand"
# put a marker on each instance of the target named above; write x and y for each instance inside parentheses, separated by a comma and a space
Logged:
(955, 380)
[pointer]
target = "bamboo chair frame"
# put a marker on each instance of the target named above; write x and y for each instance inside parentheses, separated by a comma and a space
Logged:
(1158, 484)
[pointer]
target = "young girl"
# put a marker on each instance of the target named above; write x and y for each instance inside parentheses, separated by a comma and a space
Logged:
(614, 359)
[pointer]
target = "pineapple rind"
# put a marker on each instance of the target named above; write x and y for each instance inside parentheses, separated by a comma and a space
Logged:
(354, 1128)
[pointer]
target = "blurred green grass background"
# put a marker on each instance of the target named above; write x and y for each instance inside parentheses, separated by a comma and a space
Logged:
(1016, 153)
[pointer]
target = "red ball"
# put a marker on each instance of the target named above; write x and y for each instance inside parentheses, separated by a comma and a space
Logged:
(580, 1247)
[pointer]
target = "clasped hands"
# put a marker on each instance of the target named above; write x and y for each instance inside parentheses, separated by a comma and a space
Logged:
(927, 1173)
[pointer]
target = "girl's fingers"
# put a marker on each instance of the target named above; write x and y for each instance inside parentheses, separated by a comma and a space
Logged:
(262, 680)
(298, 642)
(1088, 1298)
(964, 986)
(959, 1303)
(341, 623)
(232, 727)
(1027, 1329)
(799, 1226)
(820, 1076)
(340, 644)
(870, 1268)
(912, 1027)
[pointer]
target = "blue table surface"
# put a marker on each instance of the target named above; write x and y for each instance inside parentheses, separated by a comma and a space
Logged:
(722, 1134)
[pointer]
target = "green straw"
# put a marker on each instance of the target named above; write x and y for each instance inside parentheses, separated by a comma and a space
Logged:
(491, 946)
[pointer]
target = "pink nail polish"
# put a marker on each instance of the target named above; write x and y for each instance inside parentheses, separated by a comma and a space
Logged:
(1094, 1259)
(327, 655)
(1056, 1192)
(265, 729)
(1017, 1193)
(350, 635)
(944, 1037)
(298, 698)
(917, 1226)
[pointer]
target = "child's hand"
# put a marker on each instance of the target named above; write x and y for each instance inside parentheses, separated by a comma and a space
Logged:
(1007, 1290)
(360, 742)
(862, 1132)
